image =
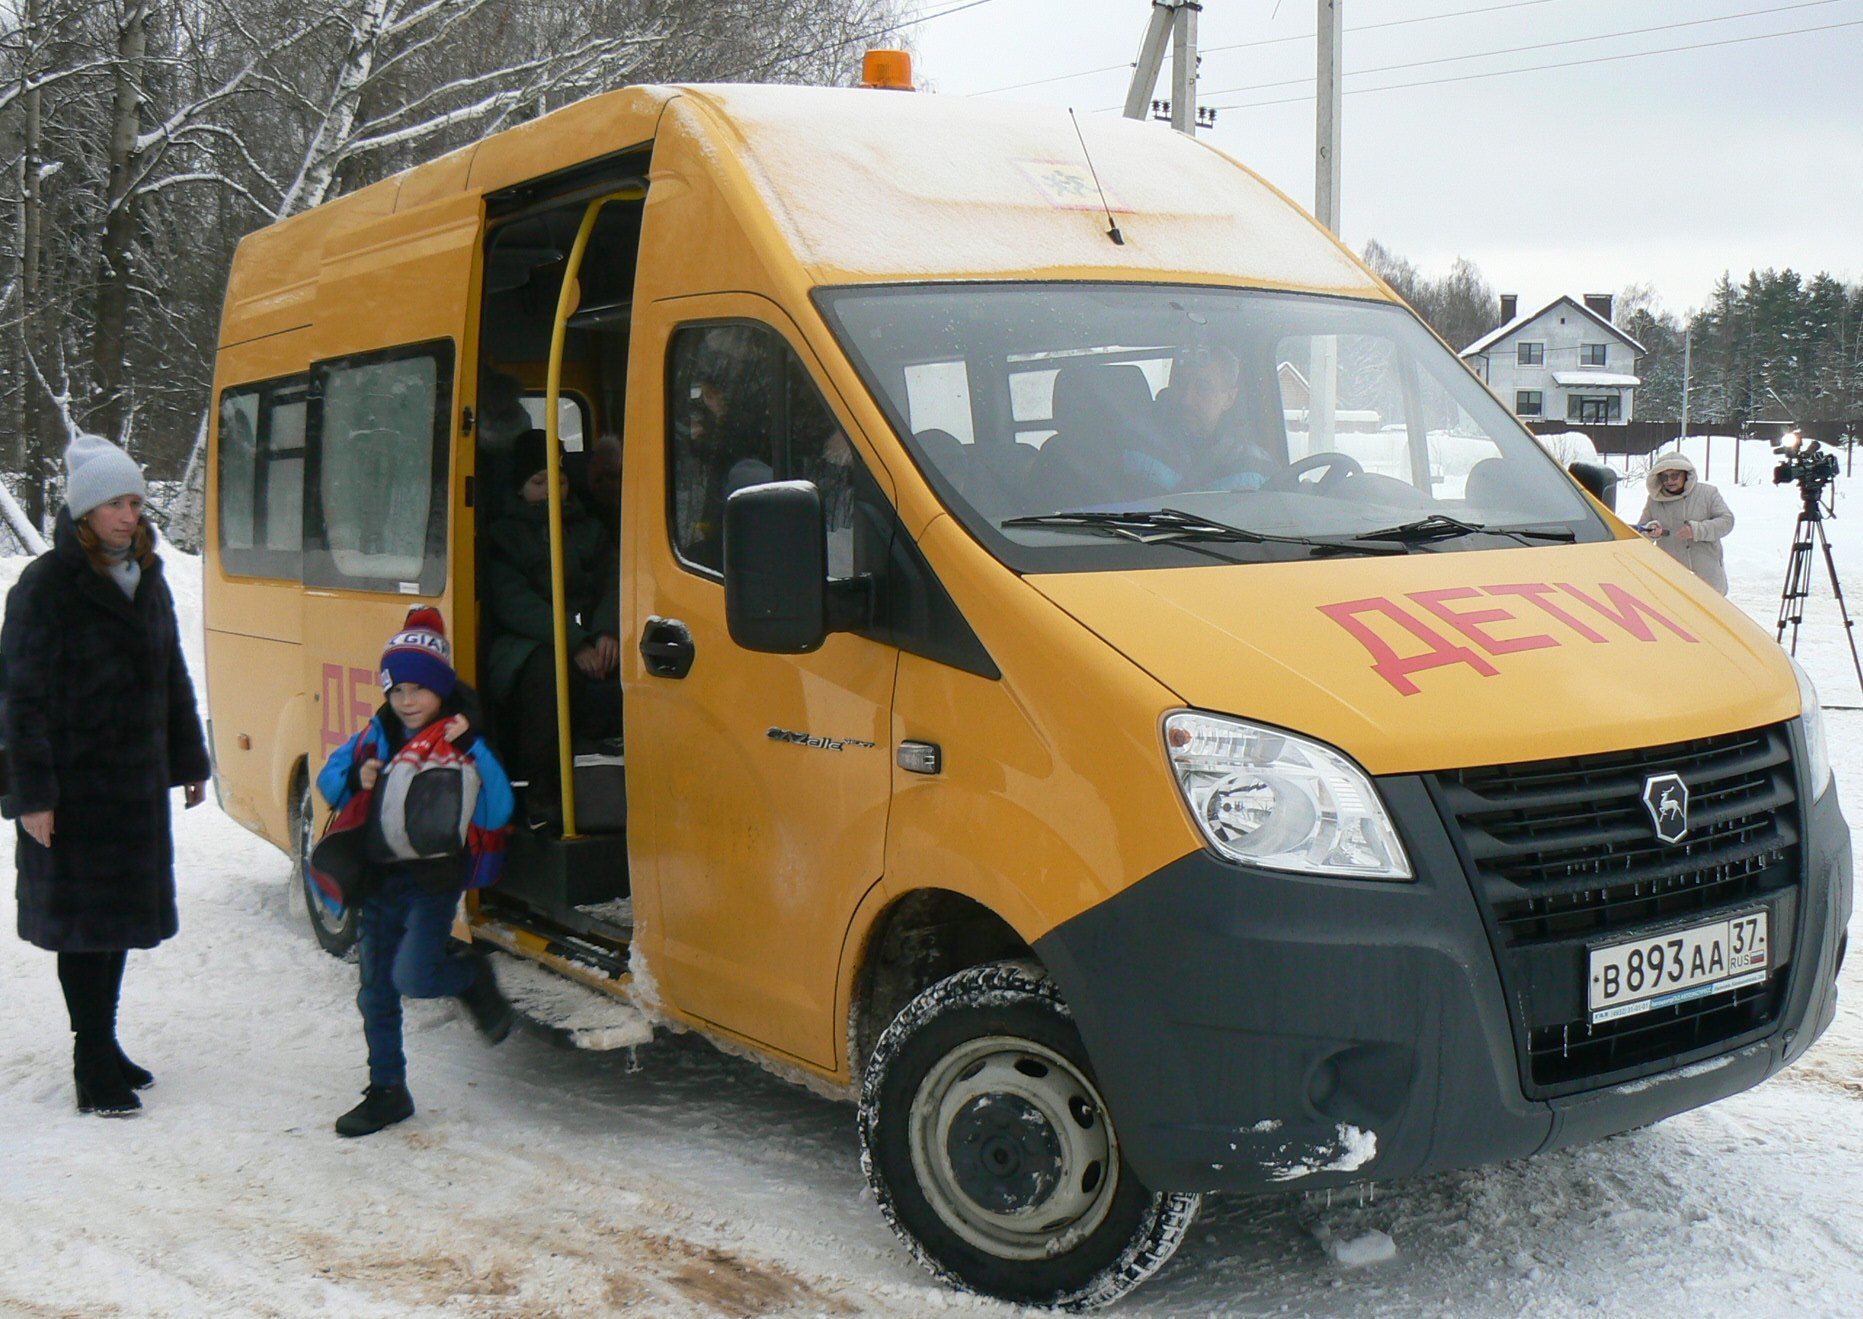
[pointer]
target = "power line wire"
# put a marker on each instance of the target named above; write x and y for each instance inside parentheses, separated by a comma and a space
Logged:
(1538, 45)
(1275, 41)
(887, 30)
(1389, 22)
(926, 18)
(1564, 64)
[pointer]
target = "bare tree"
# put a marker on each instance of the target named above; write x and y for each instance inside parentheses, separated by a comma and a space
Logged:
(399, 80)
(119, 216)
(42, 65)
(1461, 306)
(149, 135)
(23, 294)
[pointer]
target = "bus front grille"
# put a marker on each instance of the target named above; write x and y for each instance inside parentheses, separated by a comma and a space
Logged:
(1564, 857)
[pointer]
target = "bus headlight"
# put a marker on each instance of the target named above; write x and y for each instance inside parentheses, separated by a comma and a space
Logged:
(1268, 798)
(1817, 750)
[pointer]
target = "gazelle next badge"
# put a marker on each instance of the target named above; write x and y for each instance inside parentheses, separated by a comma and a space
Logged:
(1666, 798)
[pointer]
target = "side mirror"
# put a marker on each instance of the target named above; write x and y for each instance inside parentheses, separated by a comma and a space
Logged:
(1599, 479)
(776, 568)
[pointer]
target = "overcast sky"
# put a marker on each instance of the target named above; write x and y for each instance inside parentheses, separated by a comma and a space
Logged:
(1666, 169)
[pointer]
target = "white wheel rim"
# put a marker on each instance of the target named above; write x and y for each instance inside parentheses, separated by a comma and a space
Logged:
(1012, 1148)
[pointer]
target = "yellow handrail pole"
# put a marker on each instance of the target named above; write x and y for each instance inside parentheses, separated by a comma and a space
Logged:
(567, 299)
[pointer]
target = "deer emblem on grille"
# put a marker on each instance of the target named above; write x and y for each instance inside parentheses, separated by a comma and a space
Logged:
(1665, 796)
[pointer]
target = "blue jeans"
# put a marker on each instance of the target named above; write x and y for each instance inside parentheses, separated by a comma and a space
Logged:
(403, 951)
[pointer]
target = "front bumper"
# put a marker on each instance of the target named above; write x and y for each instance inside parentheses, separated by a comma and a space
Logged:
(1252, 1029)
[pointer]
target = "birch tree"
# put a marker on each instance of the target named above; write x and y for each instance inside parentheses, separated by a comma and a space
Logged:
(390, 89)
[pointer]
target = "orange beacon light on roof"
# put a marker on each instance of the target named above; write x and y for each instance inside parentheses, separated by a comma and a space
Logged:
(890, 70)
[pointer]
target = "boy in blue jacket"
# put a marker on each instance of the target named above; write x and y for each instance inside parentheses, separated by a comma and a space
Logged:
(406, 908)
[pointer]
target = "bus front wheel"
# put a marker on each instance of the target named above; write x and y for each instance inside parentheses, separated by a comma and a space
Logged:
(332, 924)
(992, 1154)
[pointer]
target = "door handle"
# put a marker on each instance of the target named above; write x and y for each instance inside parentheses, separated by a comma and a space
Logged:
(666, 646)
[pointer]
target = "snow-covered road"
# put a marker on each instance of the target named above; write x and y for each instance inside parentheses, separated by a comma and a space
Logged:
(540, 1179)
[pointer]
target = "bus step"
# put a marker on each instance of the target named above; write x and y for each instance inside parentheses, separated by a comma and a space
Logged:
(588, 955)
(587, 1018)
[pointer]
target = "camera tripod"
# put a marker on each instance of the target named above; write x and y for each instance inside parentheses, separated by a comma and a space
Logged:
(1797, 588)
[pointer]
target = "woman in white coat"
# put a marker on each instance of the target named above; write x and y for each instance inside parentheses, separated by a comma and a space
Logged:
(1688, 518)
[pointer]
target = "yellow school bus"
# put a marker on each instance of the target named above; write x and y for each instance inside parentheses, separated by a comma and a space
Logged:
(1104, 688)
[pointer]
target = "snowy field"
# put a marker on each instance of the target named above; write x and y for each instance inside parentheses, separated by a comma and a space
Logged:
(539, 1179)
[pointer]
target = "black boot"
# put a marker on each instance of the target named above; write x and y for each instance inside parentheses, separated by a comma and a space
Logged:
(491, 1011)
(101, 1087)
(381, 1106)
(136, 1078)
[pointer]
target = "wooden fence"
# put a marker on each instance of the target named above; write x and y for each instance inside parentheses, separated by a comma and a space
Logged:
(1639, 438)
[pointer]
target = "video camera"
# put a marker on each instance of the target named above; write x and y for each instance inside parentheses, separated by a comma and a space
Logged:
(1804, 461)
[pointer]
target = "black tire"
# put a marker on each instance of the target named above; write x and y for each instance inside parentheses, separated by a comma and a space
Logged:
(333, 926)
(991, 1152)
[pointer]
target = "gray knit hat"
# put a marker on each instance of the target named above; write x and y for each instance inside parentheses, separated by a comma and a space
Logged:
(97, 471)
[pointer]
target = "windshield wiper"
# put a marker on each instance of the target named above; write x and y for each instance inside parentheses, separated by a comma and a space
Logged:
(1440, 526)
(1142, 527)
(1169, 525)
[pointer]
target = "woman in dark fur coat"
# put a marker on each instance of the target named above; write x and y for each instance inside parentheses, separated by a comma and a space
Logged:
(100, 724)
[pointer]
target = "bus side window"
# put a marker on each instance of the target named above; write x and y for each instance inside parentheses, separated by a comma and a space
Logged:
(375, 513)
(261, 459)
(239, 451)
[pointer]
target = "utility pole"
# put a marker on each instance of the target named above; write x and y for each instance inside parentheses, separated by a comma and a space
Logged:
(1173, 22)
(1323, 387)
(1326, 117)
(1184, 69)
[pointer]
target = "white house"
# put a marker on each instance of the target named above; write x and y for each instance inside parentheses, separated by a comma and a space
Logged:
(1565, 362)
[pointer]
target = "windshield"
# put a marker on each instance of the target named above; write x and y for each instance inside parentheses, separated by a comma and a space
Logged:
(1313, 424)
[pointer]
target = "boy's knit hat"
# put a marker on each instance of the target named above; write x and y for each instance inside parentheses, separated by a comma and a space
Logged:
(97, 471)
(530, 454)
(419, 653)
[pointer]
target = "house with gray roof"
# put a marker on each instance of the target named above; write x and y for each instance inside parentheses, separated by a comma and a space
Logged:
(1564, 362)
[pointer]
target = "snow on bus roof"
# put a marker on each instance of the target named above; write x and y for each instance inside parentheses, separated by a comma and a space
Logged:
(872, 185)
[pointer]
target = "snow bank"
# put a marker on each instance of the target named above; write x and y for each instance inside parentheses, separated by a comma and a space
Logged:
(1370, 1247)
(19, 524)
(1568, 447)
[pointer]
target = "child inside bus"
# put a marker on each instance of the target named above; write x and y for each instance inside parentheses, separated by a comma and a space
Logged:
(406, 907)
(520, 663)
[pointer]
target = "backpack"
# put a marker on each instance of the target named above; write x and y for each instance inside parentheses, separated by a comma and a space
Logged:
(347, 860)
(337, 865)
(424, 800)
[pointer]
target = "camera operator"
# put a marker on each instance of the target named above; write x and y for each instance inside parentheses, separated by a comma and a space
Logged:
(1687, 517)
